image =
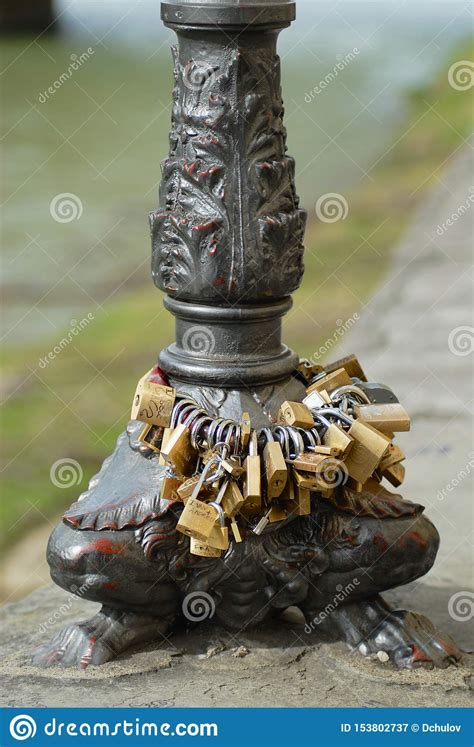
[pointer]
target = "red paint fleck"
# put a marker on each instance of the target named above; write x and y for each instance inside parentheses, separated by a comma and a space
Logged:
(87, 656)
(380, 543)
(158, 376)
(111, 585)
(204, 226)
(418, 539)
(105, 547)
(233, 285)
(418, 654)
(219, 280)
(212, 251)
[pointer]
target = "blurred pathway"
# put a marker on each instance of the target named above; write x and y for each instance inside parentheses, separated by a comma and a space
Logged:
(416, 335)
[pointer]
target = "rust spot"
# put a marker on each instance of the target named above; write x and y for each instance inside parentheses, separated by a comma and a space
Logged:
(111, 585)
(219, 280)
(105, 547)
(418, 539)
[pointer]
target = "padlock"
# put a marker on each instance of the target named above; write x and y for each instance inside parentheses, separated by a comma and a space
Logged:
(197, 519)
(333, 451)
(152, 436)
(300, 505)
(395, 474)
(366, 452)
(186, 489)
(331, 381)
(245, 429)
(166, 436)
(314, 400)
(312, 462)
(153, 403)
(388, 418)
(252, 480)
(277, 513)
(309, 370)
(170, 486)
(350, 364)
(336, 437)
(232, 499)
(275, 469)
(219, 536)
(233, 467)
(308, 481)
(178, 452)
(201, 548)
(394, 455)
(375, 392)
(295, 414)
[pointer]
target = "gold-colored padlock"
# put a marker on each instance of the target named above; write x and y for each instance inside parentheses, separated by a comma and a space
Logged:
(336, 437)
(395, 474)
(309, 370)
(295, 414)
(366, 452)
(331, 381)
(197, 519)
(350, 364)
(252, 480)
(219, 537)
(245, 429)
(233, 467)
(236, 531)
(152, 437)
(277, 513)
(387, 418)
(170, 486)
(276, 471)
(300, 505)
(333, 451)
(394, 455)
(178, 453)
(201, 548)
(153, 403)
(308, 481)
(232, 499)
(187, 487)
(309, 461)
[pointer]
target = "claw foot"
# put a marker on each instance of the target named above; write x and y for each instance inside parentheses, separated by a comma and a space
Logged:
(409, 638)
(98, 640)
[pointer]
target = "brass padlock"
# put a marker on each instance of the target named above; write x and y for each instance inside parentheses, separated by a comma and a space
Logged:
(252, 480)
(245, 429)
(314, 400)
(331, 381)
(350, 364)
(233, 467)
(166, 436)
(296, 414)
(186, 489)
(366, 452)
(336, 437)
(277, 513)
(232, 499)
(394, 455)
(395, 474)
(201, 548)
(387, 418)
(152, 436)
(178, 452)
(300, 505)
(275, 469)
(312, 462)
(197, 519)
(153, 403)
(308, 481)
(309, 370)
(170, 486)
(219, 536)
(327, 451)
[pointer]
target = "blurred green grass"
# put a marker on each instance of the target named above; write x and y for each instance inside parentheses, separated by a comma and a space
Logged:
(77, 405)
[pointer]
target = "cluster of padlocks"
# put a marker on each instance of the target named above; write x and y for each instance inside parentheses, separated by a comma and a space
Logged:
(230, 476)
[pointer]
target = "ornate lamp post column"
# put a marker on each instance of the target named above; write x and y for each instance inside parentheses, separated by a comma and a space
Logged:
(227, 237)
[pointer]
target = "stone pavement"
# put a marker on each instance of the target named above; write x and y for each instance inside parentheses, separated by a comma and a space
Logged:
(414, 335)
